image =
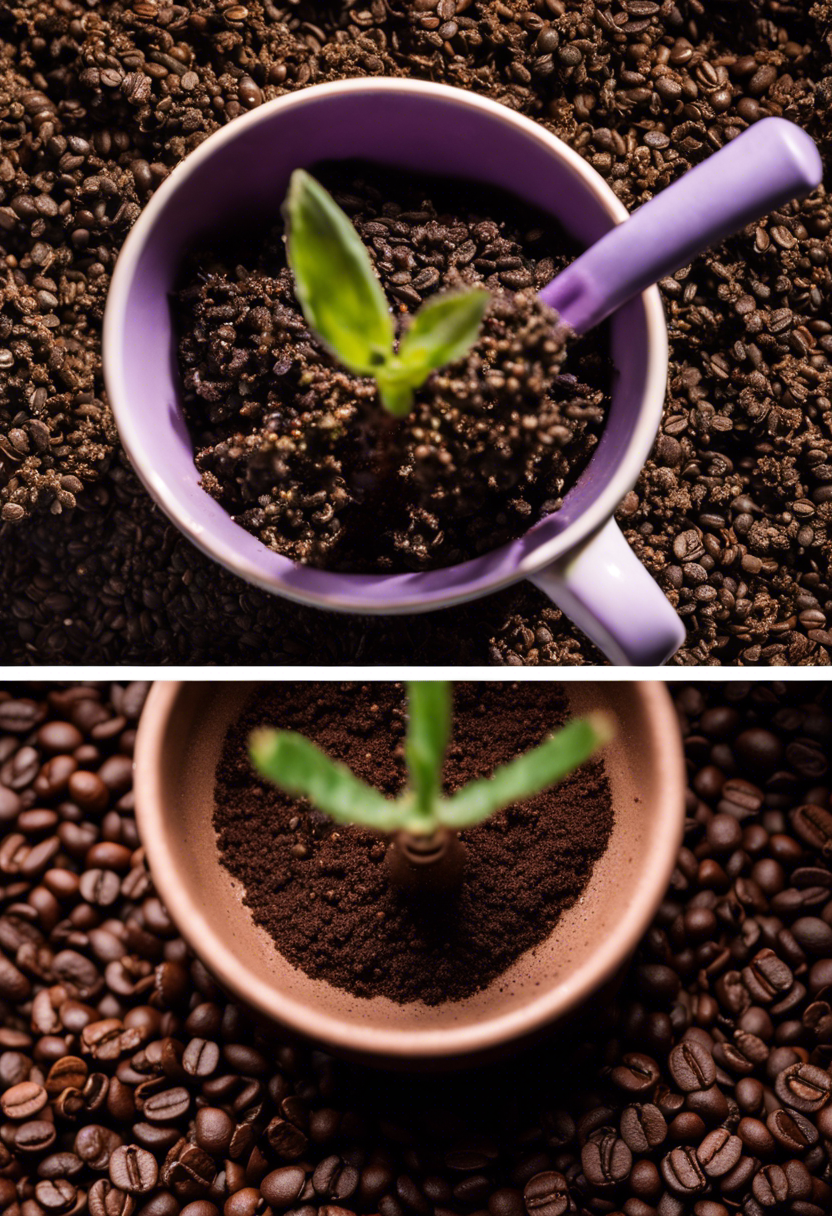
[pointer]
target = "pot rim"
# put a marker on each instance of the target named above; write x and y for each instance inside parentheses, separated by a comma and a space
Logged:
(656, 866)
(374, 593)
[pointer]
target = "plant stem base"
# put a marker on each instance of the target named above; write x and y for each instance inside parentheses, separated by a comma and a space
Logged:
(426, 865)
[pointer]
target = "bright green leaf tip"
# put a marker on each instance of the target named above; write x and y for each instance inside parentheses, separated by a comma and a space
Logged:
(345, 307)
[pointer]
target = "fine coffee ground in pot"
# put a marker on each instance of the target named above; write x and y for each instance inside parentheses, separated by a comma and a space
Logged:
(322, 890)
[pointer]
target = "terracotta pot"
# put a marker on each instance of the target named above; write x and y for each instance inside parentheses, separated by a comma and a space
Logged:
(179, 739)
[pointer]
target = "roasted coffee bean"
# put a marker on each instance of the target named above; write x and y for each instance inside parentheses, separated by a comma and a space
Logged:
(103, 1040)
(14, 1068)
(375, 1181)
(24, 1100)
(749, 1094)
(14, 986)
(188, 1170)
(813, 825)
(691, 1066)
(719, 1152)
(771, 1186)
(759, 748)
(104, 1199)
(73, 968)
(546, 1194)
(803, 1087)
(682, 1172)
(288, 1141)
(505, 1201)
(687, 1126)
(214, 1129)
(167, 1106)
(792, 1130)
(334, 1180)
(160, 1204)
(89, 791)
(282, 1187)
(35, 1136)
(100, 887)
(813, 935)
(201, 1057)
(605, 1158)
(60, 1165)
(767, 977)
(636, 1073)
(643, 1127)
(20, 716)
(133, 1169)
(95, 1091)
(94, 1144)
(67, 1072)
(755, 1136)
(244, 1202)
(56, 1195)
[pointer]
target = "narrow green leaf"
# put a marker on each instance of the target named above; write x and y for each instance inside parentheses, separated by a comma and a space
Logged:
(428, 731)
(335, 283)
(528, 774)
(443, 330)
(300, 768)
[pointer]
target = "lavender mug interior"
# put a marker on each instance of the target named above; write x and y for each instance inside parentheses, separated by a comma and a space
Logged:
(240, 174)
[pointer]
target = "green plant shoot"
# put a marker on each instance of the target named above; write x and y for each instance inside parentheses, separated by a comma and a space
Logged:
(298, 767)
(345, 307)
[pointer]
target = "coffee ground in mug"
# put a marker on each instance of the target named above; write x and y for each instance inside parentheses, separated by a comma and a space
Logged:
(322, 890)
(302, 454)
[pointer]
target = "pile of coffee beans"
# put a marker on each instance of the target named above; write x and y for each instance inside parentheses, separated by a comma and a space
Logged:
(98, 103)
(130, 1084)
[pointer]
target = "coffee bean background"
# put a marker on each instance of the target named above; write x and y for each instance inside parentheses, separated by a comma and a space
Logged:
(131, 1086)
(99, 102)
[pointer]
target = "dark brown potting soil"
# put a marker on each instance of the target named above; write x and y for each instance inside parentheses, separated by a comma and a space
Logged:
(322, 891)
(301, 453)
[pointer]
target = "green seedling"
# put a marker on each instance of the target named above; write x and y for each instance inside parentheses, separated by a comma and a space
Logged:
(294, 764)
(345, 307)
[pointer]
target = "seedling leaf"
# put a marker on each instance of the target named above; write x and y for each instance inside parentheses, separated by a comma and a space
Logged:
(345, 307)
(443, 331)
(428, 731)
(300, 768)
(528, 774)
(336, 286)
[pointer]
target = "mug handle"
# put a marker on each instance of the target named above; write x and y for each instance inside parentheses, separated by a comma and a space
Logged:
(603, 587)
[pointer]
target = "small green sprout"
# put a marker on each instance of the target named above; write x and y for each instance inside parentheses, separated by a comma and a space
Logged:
(344, 305)
(300, 768)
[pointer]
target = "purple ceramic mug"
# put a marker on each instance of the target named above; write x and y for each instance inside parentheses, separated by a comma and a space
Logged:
(577, 555)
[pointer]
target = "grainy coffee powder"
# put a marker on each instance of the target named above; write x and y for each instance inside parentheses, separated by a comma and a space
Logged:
(322, 890)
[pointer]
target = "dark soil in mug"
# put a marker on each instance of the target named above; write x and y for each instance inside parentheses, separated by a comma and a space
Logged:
(322, 891)
(301, 453)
